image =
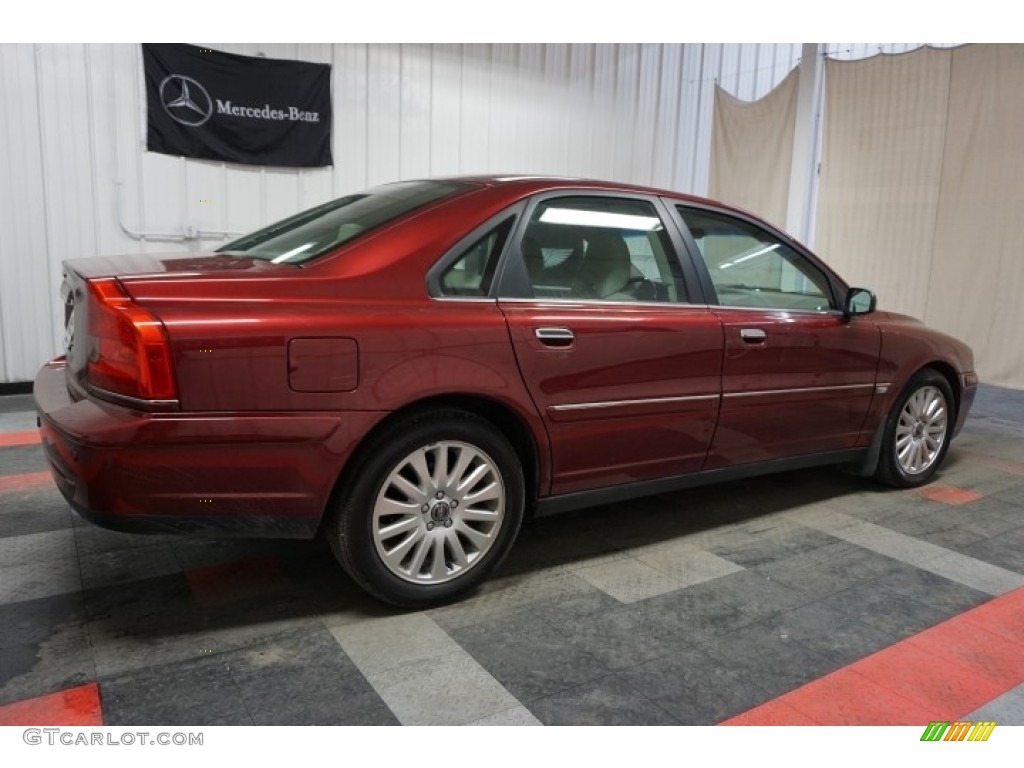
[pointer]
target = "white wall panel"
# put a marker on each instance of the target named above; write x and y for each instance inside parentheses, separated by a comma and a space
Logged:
(74, 166)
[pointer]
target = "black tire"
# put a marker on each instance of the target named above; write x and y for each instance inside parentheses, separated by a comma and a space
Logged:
(926, 382)
(351, 524)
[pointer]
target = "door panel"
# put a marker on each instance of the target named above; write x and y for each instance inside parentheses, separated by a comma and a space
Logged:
(797, 377)
(802, 388)
(632, 395)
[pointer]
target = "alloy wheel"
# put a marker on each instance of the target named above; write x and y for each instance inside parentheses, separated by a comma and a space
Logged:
(438, 512)
(921, 430)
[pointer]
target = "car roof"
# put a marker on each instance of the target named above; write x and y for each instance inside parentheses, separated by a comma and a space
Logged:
(524, 184)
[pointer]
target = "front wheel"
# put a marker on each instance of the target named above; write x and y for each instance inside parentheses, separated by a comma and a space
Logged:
(917, 431)
(434, 504)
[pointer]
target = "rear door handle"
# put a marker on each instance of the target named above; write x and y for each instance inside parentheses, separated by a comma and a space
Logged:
(554, 337)
(753, 335)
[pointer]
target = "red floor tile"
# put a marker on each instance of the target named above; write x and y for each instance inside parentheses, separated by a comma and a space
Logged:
(947, 689)
(233, 581)
(942, 673)
(28, 437)
(969, 643)
(74, 706)
(774, 713)
(845, 697)
(1003, 616)
(25, 481)
(949, 494)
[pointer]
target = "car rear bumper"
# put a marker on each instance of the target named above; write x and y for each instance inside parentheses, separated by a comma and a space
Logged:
(231, 474)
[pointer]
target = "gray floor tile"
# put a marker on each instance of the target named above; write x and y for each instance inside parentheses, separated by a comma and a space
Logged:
(1005, 551)
(893, 613)
(693, 687)
(628, 580)
(722, 605)
(771, 546)
(33, 621)
(768, 657)
(37, 510)
(116, 566)
(362, 709)
(157, 621)
(932, 589)
(993, 516)
(18, 459)
(608, 701)
(531, 660)
(622, 637)
(18, 404)
(421, 673)
(978, 573)
(830, 632)
(829, 569)
(92, 540)
(193, 692)
(1007, 709)
(558, 595)
(516, 716)
(54, 575)
(688, 566)
(193, 553)
(556, 550)
(944, 562)
(51, 547)
(451, 690)
(942, 524)
(379, 645)
(302, 677)
(1012, 494)
(62, 659)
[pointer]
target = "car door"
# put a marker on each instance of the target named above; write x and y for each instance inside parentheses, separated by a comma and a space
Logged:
(798, 376)
(623, 368)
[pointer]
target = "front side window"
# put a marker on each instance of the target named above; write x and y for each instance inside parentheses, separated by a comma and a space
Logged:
(312, 233)
(600, 249)
(751, 268)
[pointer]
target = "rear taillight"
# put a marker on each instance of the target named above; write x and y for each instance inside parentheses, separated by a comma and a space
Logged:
(129, 352)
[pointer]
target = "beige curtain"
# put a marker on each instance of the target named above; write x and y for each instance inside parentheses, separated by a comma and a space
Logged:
(752, 150)
(884, 132)
(977, 285)
(921, 185)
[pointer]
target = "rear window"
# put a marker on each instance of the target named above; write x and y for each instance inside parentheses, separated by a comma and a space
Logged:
(311, 233)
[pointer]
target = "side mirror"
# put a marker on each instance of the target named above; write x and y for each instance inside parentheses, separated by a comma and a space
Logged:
(859, 301)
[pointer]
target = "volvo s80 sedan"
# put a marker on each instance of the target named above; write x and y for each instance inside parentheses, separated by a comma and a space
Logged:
(413, 369)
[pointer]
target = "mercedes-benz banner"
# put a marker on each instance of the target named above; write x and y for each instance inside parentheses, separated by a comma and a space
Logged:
(241, 109)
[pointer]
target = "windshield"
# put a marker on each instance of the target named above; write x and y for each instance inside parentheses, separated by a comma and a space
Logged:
(311, 233)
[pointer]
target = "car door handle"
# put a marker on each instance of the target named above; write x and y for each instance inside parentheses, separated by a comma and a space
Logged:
(554, 337)
(753, 335)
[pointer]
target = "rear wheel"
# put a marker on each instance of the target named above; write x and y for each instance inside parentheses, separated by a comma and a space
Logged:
(434, 504)
(917, 431)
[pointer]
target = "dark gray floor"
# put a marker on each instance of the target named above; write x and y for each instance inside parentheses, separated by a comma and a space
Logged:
(685, 608)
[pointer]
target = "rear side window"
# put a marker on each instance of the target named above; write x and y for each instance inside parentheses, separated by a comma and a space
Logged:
(312, 233)
(473, 272)
(600, 249)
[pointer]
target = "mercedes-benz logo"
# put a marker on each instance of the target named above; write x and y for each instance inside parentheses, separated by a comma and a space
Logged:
(185, 100)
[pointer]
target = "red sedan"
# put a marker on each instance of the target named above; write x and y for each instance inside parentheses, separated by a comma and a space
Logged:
(414, 368)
